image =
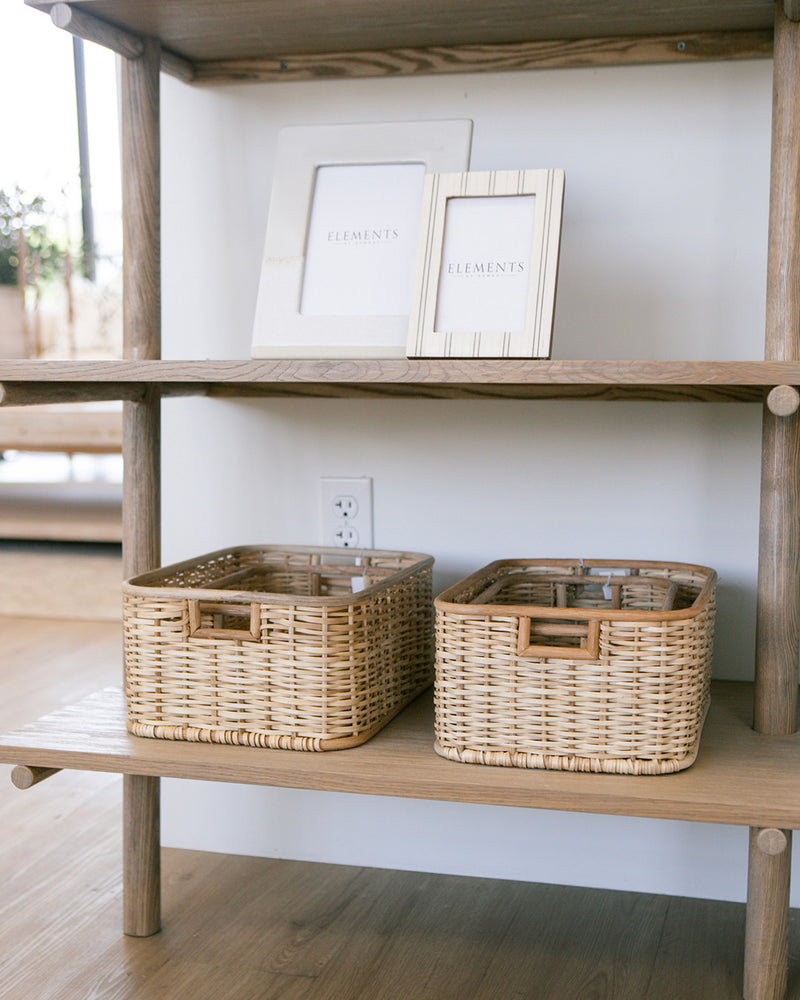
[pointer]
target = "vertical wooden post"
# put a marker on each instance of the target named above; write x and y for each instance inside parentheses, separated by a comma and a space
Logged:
(778, 614)
(141, 198)
(778, 610)
(775, 698)
(141, 439)
(767, 930)
(141, 855)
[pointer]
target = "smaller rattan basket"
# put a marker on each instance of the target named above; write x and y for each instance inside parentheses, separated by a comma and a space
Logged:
(575, 665)
(294, 648)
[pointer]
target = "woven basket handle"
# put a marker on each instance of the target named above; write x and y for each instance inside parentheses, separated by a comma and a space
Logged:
(552, 628)
(250, 613)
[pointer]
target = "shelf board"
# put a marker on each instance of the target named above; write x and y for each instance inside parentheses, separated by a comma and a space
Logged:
(24, 382)
(240, 39)
(62, 429)
(740, 777)
(67, 512)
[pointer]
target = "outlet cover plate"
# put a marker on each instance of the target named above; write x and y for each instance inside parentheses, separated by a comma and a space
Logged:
(346, 511)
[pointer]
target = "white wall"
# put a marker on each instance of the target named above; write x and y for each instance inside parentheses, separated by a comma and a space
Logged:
(663, 256)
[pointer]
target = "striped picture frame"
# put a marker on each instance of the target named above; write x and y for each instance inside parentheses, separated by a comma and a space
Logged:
(487, 264)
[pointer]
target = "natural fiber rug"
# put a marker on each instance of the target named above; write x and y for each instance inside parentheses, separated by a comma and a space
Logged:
(68, 580)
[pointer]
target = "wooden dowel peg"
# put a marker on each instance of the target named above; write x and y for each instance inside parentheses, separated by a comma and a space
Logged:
(771, 842)
(124, 43)
(93, 29)
(783, 400)
(26, 777)
(177, 66)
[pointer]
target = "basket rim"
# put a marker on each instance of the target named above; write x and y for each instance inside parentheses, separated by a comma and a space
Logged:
(146, 584)
(445, 601)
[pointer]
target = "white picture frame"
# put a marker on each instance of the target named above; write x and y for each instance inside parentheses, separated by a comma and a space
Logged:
(487, 264)
(319, 298)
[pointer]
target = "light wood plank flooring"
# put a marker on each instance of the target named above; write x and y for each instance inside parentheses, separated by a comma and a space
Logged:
(253, 929)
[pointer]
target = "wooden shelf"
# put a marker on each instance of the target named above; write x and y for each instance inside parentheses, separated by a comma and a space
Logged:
(317, 39)
(241, 28)
(62, 429)
(740, 777)
(73, 512)
(712, 381)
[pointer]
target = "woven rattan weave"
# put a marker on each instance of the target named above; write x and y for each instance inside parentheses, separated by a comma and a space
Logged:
(575, 665)
(286, 647)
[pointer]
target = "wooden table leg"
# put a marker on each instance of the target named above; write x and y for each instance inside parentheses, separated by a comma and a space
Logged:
(141, 855)
(766, 950)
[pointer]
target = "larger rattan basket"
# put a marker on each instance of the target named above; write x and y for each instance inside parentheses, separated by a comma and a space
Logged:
(287, 647)
(575, 665)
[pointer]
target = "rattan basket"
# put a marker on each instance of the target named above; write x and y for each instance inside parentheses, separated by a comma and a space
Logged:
(575, 665)
(287, 647)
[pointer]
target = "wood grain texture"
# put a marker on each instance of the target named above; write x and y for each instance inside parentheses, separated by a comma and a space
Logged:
(241, 29)
(509, 57)
(52, 662)
(301, 931)
(26, 777)
(141, 486)
(38, 393)
(778, 609)
(713, 381)
(772, 841)
(740, 776)
(244, 928)
(141, 855)
(141, 306)
(61, 429)
(124, 43)
(141, 495)
(783, 263)
(177, 66)
(783, 400)
(687, 963)
(778, 591)
(92, 29)
(141, 203)
(767, 929)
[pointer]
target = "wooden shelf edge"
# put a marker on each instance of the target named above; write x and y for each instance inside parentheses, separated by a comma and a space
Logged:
(510, 57)
(740, 777)
(35, 383)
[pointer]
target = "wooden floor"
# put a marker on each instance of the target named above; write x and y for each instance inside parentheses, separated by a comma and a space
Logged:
(253, 929)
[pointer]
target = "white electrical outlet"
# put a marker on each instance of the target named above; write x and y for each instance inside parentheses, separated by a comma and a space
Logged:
(346, 511)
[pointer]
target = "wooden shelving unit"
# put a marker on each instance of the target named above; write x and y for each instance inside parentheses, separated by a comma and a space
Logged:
(749, 763)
